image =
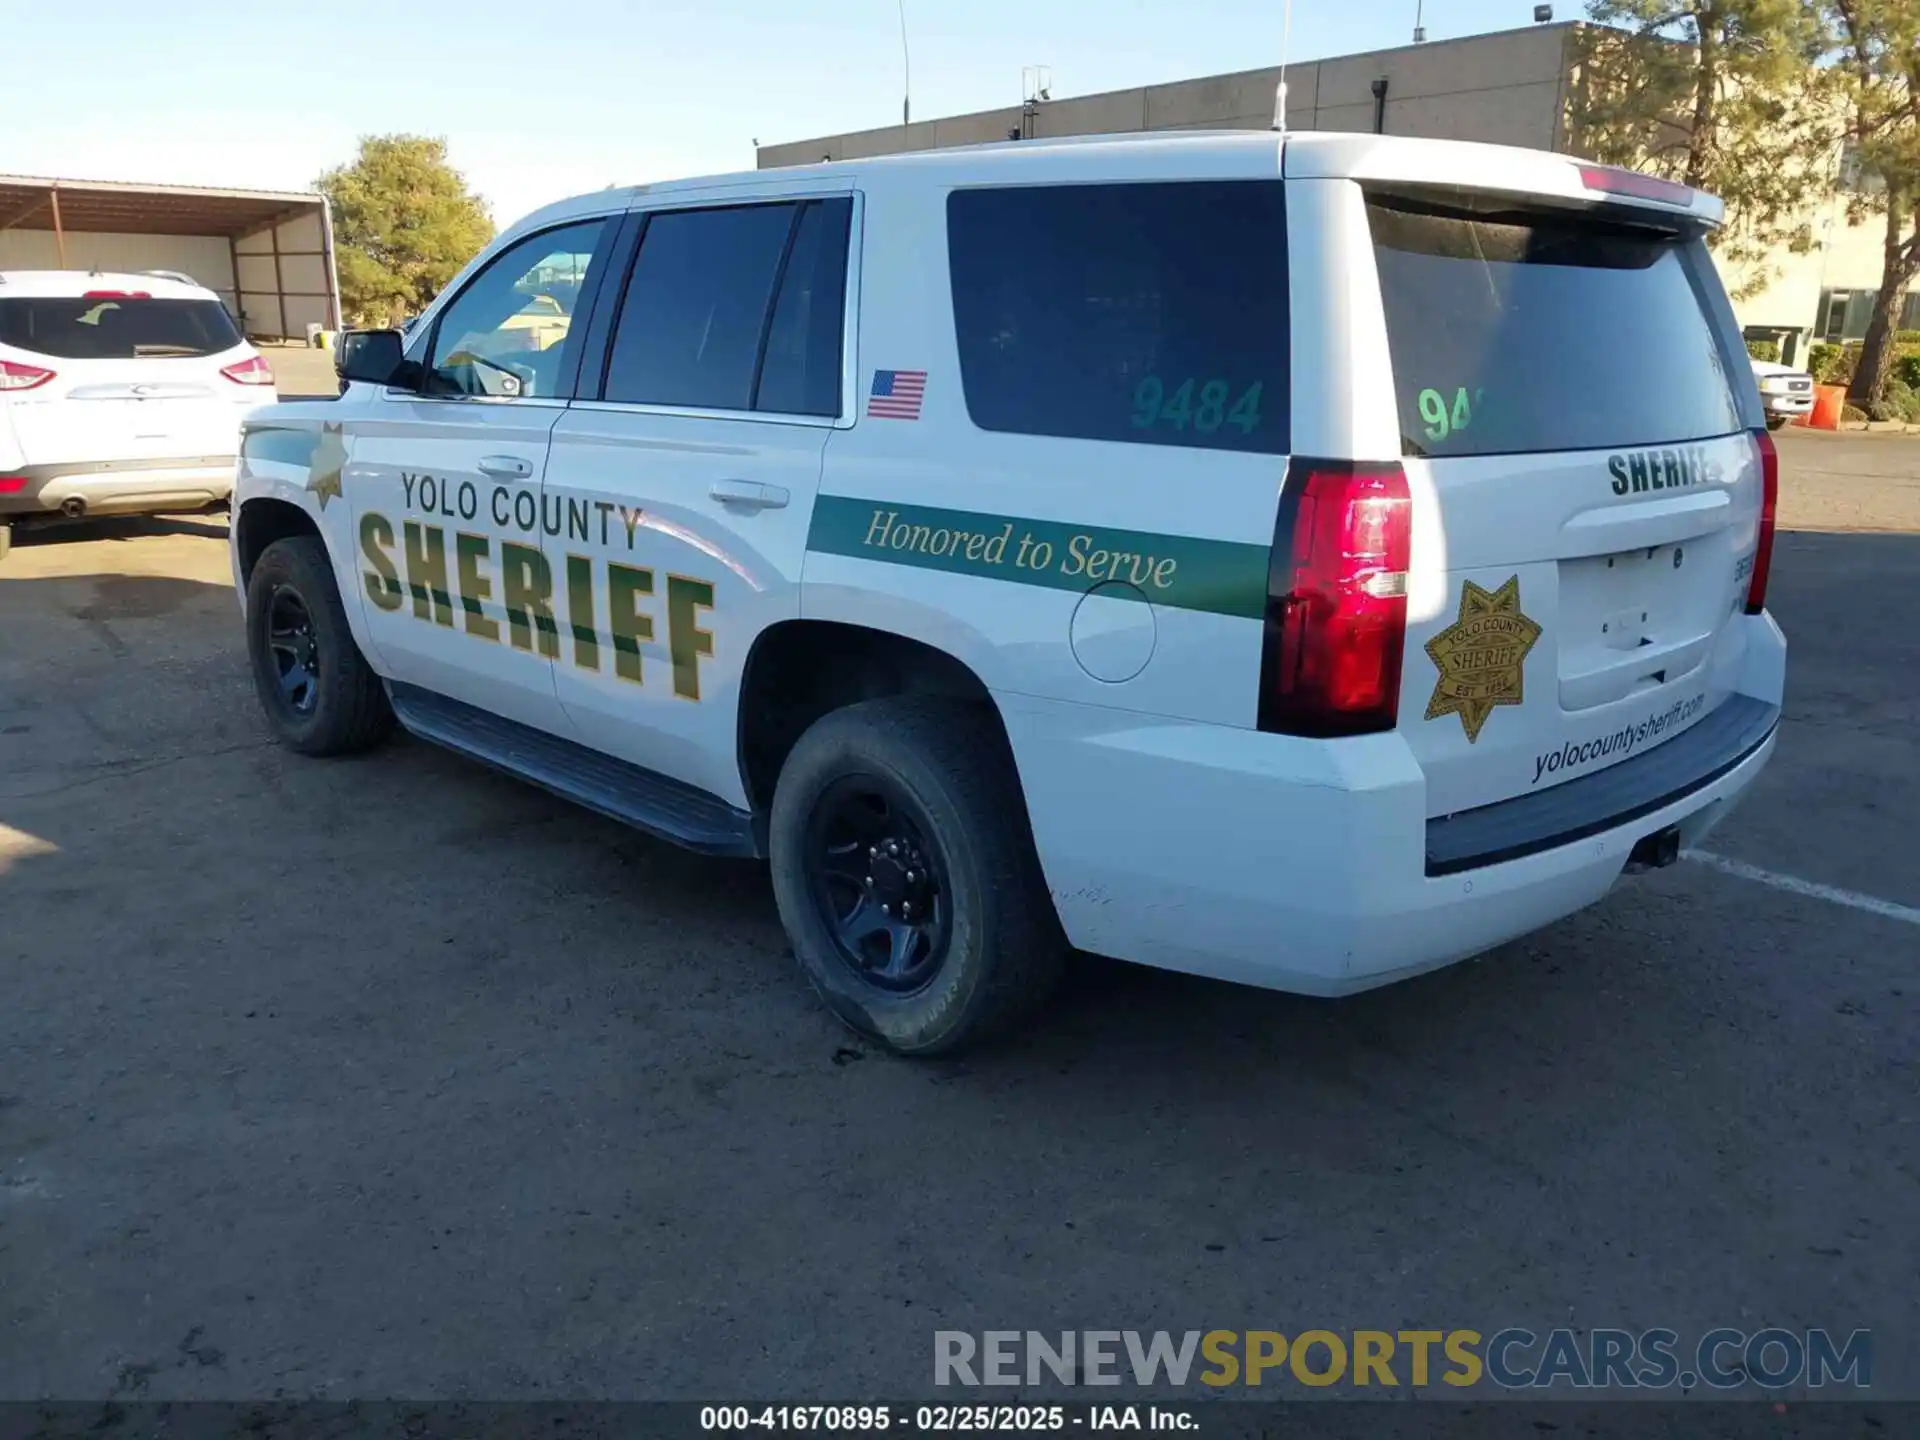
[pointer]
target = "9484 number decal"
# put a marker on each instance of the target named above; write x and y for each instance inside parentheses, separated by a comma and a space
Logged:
(1203, 405)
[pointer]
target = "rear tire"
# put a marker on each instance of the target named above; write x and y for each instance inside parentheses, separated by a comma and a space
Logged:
(1777, 422)
(320, 695)
(935, 779)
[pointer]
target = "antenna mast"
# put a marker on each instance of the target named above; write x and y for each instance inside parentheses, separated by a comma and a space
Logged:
(1280, 91)
(906, 71)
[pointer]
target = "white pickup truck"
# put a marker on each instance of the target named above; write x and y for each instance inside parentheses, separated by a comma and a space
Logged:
(1784, 391)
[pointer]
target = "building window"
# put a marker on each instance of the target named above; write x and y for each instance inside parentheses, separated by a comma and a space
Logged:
(1842, 315)
(1854, 176)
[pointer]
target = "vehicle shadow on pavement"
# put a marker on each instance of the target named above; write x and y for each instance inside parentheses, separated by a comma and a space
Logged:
(211, 524)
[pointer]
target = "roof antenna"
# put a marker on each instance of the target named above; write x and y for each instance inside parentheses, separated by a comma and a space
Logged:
(1280, 91)
(906, 71)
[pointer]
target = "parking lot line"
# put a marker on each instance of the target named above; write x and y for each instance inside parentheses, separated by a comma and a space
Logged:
(1852, 899)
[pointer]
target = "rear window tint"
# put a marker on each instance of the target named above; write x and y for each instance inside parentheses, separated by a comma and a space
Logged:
(80, 327)
(1150, 313)
(1514, 332)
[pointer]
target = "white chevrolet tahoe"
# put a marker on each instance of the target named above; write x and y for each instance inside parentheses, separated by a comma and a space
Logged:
(1302, 560)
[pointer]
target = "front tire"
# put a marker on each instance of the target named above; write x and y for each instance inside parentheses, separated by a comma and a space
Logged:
(906, 876)
(319, 693)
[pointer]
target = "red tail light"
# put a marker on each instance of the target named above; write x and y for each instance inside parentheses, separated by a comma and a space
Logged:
(116, 295)
(1337, 600)
(15, 376)
(251, 371)
(12, 484)
(1769, 502)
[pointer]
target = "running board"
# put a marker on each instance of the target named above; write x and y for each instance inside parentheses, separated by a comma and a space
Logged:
(634, 796)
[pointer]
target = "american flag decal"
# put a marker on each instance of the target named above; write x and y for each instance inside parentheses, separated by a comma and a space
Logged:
(896, 394)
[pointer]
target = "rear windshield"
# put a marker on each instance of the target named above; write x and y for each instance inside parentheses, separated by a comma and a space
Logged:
(1149, 313)
(1517, 332)
(124, 328)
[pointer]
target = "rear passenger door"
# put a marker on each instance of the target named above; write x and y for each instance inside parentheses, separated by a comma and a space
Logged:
(686, 470)
(1066, 463)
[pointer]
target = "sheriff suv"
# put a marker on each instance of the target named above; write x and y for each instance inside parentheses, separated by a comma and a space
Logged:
(119, 394)
(1302, 560)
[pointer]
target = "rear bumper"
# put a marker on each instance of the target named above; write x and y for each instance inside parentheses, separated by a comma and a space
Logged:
(1786, 404)
(1307, 865)
(1606, 800)
(110, 487)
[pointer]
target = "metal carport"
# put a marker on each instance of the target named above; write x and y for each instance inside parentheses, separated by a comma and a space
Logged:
(268, 254)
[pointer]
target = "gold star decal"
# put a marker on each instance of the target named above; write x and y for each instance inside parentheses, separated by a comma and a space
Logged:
(323, 470)
(1482, 656)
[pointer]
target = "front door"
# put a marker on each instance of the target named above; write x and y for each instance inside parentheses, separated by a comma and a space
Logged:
(446, 483)
(688, 479)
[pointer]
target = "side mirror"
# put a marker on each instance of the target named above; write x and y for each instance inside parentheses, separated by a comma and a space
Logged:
(375, 356)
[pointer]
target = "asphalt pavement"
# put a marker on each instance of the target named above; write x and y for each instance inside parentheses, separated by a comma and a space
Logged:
(395, 1077)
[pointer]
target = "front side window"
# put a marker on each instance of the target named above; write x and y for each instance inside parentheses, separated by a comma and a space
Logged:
(740, 308)
(116, 327)
(1154, 314)
(511, 332)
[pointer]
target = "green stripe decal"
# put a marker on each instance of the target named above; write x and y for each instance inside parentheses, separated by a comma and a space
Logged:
(1182, 571)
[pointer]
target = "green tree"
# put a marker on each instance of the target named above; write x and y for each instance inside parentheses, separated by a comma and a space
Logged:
(1878, 79)
(1715, 94)
(404, 223)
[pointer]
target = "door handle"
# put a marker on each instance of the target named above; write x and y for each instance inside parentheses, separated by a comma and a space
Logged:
(505, 467)
(749, 494)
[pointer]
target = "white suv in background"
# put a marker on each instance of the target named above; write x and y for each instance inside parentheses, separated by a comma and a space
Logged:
(118, 394)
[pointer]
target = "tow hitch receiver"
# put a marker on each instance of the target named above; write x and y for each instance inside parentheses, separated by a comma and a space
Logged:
(1655, 851)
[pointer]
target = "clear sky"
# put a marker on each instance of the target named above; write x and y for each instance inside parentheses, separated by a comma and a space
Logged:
(540, 101)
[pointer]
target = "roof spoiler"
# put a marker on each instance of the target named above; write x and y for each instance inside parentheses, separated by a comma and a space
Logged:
(1496, 169)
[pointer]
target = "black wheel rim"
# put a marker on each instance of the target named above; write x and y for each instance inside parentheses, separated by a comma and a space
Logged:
(294, 650)
(879, 882)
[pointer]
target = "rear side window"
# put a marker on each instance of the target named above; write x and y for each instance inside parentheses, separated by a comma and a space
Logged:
(740, 308)
(125, 327)
(801, 372)
(1154, 314)
(1524, 331)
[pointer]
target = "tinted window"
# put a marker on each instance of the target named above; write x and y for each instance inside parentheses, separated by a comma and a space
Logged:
(690, 329)
(1155, 314)
(118, 328)
(1516, 332)
(510, 333)
(801, 372)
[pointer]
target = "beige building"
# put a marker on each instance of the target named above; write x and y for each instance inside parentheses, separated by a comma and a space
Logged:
(1512, 87)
